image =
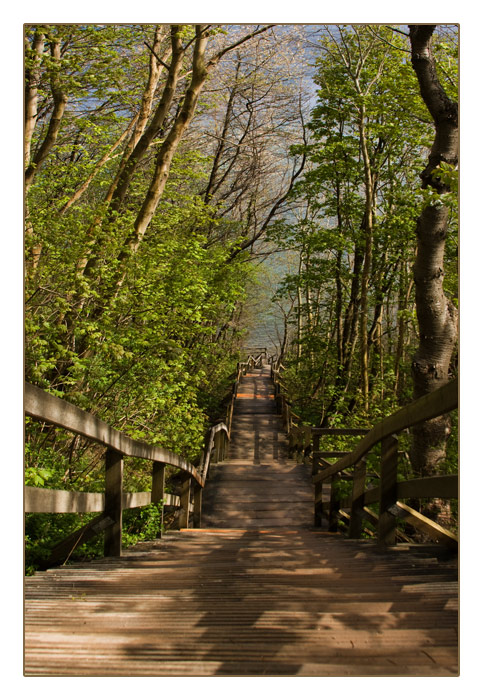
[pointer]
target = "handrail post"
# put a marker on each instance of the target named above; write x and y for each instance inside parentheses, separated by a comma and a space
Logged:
(197, 500)
(357, 504)
(157, 489)
(113, 503)
(185, 496)
(334, 503)
(318, 508)
(388, 498)
(224, 445)
(216, 448)
(315, 450)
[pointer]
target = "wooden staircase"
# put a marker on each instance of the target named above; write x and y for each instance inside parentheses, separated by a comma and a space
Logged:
(259, 485)
(256, 591)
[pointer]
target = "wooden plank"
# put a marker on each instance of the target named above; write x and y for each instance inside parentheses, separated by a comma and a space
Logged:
(421, 522)
(40, 500)
(43, 406)
(113, 503)
(171, 500)
(369, 515)
(387, 521)
(441, 401)
(429, 487)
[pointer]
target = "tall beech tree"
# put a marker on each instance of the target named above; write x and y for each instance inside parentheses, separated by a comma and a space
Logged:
(437, 315)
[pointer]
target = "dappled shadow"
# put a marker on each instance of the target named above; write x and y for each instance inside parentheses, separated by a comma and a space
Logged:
(267, 602)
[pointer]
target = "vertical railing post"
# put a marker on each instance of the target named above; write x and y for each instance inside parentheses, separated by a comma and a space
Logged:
(184, 513)
(197, 501)
(224, 445)
(357, 501)
(315, 450)
(318, 510)
(334, 503)
(387, 521)
(113, 503)
(157, 489)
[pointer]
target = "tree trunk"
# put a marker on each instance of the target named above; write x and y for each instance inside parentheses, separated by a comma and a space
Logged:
(437, 317)
(60, 102)
(32, 75)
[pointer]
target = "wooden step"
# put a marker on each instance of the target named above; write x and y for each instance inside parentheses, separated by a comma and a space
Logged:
(245, 602)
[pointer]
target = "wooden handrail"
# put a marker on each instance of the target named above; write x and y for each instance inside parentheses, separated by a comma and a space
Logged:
(44, 406)
(441, 401)
(39, 500)
(212, 443)
(437, 403)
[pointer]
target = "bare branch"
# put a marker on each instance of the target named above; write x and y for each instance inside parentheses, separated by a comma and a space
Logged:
(159, 60)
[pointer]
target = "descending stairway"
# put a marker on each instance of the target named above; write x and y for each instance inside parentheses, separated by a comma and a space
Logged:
(258, 486)
(245, 602)
(256, 592)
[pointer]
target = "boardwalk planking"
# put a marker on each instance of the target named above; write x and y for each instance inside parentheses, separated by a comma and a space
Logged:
(258, 593)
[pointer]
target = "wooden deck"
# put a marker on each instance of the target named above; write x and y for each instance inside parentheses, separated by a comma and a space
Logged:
(257, 591)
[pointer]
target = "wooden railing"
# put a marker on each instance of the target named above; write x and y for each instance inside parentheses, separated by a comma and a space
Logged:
(304, 443)
(43, 406)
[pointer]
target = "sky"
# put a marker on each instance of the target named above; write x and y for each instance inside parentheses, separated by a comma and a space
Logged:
(14, 15)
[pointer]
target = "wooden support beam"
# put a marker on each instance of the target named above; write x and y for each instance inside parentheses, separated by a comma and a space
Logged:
(388, 486)
(113, 503)
(62, 551)
(421, 522)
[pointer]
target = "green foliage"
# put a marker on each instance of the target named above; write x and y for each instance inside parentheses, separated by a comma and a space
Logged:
(142, 337)
(367, 87)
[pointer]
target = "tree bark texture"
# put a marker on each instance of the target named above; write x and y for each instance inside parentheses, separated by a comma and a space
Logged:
(60, 102)
(437, 316)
